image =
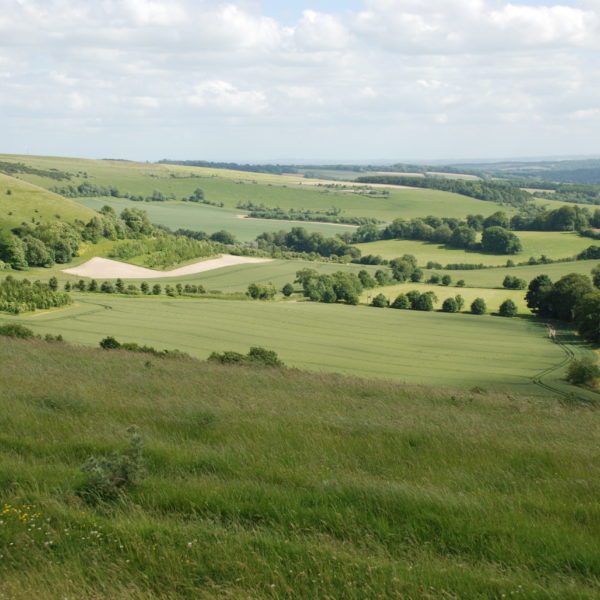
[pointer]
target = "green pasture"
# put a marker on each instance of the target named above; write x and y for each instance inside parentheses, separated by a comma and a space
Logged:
(285, 485)
(493, 297)
(21, 201)
(554, 244)
(493, 278)
(234, 187)
(455, 350)
(200, 217)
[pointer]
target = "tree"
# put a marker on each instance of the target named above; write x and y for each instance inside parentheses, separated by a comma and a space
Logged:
(383, 277)
(401, 301)
(596, 276)
(107, 287)
(156, 289)
(587, 316)
(259, 291)
(287, 290)
(498, 240)
(478, 306)
(416, 275)
(380, 301)
(460, 283)
(463, 237)
(498, 219)
(460, 302)
(67, 286)
(425, 301)
(413, 296)
(508, 308)
(53, 283)
(538, 295)
(446, 280)
(449, 305)
(224, 237)
(566, 292)
(144, 287)
(120, 286)
(514, 283)
(92, 286)
(366, 280)
(109, 343)
(434, 278)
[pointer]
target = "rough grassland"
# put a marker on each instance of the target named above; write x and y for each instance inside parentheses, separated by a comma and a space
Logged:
(286, 485)
(28, 202)
(455, 350)
(535, 243)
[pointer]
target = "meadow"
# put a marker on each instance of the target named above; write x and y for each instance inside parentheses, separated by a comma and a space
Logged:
(273, 484)
(453, 350)
(553, 244)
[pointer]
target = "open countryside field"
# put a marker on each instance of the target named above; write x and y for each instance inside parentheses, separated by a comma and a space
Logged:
(235, 187)
(493, 278)
(200, 217)
(493, 298)
(535, 243)
(453, 350)
(270, 484)
(21, 201)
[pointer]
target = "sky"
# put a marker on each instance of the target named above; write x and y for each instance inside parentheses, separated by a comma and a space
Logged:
(300, 81)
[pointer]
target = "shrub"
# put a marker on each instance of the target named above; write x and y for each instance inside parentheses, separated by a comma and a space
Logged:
(287, 289)
(109, 343)
(109, 477)
(446, 280)
(460, 283)
(508, 308)
(15, 330)
(582, 371)
(256, 356)
(449, 305)
(380, 301)
(478, 306)
(401, 301)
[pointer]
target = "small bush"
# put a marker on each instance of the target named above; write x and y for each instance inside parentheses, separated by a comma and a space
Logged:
(256, 356)
(583, 371)
(478, 306)
(449, 305)
(508, 308)
(109, 343)
(16, 330)
(109, 477)
(380, 301)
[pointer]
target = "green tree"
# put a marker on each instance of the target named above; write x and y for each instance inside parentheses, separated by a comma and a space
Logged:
(582, 371)
(225, 237)
(144, 287)
(587, 316)
(566, 292)
(463, 237)
(366, 280)
(92, 286)
(596, 276)
(120, 286)
(53, 283)
(460, 283)
(287, 290)
(109, 343)
(400, 302)
(498, 240)
(156, 289)
(508, 308)
(449, 305)
(478, 306)
(380, 301)
(539, 294)
(446, 280)
(460, 302)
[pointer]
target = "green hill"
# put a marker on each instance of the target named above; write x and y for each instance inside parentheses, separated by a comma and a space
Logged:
(273, 484)
(22, 201)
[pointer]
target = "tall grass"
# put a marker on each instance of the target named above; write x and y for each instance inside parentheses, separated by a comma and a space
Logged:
(283, 484)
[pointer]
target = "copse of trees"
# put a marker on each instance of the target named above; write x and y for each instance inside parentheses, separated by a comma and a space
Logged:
(335, 287)
(18, 296)
(259, 291)
(514, 283)
(498, 240)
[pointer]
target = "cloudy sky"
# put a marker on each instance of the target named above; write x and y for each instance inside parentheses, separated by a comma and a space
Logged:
(300, 80)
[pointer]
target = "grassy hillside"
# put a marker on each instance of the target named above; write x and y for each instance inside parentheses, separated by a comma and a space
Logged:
(21, 201)
(455, 350)
(281, 484)
(553, 244)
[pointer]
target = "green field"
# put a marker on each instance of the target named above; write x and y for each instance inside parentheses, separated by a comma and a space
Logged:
(493, 297)
(535, 243)
(455, 350)
(21, 201)
(200, 217)
(234, 187)
(493, 278)
(274, 485)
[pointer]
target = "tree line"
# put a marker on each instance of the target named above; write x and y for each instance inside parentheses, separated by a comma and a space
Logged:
(19, 296)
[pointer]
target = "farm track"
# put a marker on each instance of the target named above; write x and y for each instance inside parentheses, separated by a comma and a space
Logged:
(538, 379)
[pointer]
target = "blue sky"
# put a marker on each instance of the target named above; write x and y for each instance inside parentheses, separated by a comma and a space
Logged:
(326, 80)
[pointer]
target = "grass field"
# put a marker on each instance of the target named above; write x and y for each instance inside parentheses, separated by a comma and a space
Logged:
(21, 201)
(275, 485)
(493, 278)
(200, 217)
(493, 298)
(233, 187)
(535, 243)
(455, 350)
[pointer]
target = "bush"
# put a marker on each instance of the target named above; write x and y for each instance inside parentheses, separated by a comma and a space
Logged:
(508, 308)
(449, 305)
(109, 343)
(460, 283)
(401, 302)
(583, 371)
(446, 280)
(109, 477)
(256, 356)
(478, 306)
(380, 301)
(15, 330)
(287, 289)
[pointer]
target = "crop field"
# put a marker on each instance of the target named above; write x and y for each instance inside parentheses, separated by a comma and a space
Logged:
(493, 297)
(278, 484)
(466, 350)
(21, 201)
(200, 217)
(235, 187)
(493, 278)
(535, 243)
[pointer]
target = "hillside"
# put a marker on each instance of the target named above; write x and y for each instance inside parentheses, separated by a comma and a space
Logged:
(282, 484)
(22, 201)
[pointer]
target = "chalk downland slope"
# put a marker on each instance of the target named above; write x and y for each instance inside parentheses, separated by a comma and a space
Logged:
(104, 268)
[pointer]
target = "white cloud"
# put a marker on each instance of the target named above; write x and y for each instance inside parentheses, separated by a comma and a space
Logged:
(399, 67)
